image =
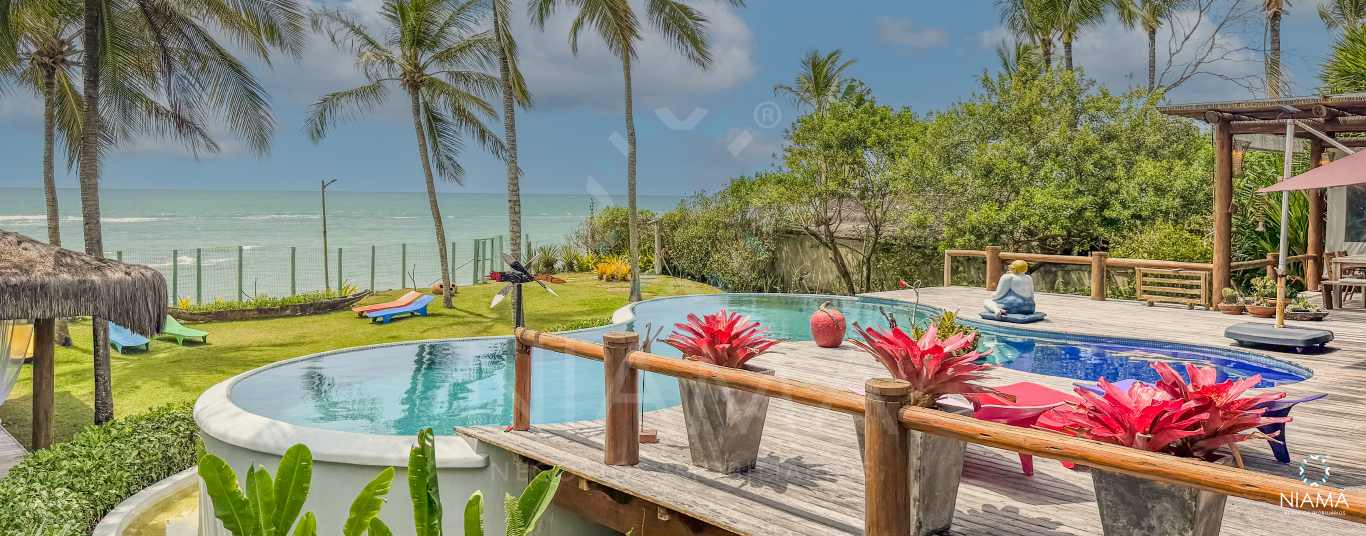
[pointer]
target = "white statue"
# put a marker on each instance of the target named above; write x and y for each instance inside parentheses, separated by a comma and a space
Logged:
(1014, 293)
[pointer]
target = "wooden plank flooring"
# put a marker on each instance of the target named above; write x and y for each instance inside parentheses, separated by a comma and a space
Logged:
(11, 452)
(810, 479)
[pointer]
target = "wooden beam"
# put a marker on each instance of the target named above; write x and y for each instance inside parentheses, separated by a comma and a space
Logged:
(621, 446)
(1098, 275)
(1223, 205)
(627, 513)
(44, 353)
(994, 267)
(1318, 205)
(521, 402)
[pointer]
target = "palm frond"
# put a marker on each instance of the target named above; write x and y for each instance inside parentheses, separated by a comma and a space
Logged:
(444, 144)
(683, 27)
(343, 106)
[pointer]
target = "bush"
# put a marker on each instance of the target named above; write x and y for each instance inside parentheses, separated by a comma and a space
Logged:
(581, 324)
(263, 300)
(1163, 241)
(74, 484)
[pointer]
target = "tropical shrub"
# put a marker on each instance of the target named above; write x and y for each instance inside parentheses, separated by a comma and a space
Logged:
(608, 232)
(74, 484)
(616, 268)
(929, 364)
(946, 325)
(1163, 241)
(271, 506)
(581, 324)
(263, 300)
(547, 260)
(728, 340)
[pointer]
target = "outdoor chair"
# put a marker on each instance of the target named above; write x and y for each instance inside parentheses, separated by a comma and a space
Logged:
(180, 332)
(123, 338)
(1033, 407)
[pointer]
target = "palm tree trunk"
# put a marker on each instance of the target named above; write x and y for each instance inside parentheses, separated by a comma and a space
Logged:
(90, 199)
(1273, 56)
(1046, 47)
(632, 224)
(62, 335)
(510, 137)
(1067, 52)
(1152, 59)
(446, 287)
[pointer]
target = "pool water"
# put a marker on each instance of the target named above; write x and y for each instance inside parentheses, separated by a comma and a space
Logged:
(400, 389)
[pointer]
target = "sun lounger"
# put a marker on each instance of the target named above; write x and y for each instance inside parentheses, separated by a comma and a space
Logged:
(122, 338)
(418, 307)
(174, 329)
(406, 299)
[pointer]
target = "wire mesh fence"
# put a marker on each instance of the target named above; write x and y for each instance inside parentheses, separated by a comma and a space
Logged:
(203, 275)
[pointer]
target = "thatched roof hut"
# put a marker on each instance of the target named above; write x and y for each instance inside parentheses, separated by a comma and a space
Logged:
(38, 280)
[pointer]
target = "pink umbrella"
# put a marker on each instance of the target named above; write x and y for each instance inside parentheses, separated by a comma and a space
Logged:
(1345, 172)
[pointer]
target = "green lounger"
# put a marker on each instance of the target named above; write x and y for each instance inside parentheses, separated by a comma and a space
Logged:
(174, 329)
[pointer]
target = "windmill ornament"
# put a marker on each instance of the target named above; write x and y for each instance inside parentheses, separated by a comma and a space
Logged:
(515, 278)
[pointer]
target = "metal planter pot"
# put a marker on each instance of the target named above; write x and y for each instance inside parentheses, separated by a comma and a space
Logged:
(1133, 506)
(724, 425)
(935, 465)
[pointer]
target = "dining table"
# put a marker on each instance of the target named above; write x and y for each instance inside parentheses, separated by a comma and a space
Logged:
(1338, 266)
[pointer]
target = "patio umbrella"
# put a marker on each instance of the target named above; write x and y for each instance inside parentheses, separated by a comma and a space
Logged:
(1345, 172)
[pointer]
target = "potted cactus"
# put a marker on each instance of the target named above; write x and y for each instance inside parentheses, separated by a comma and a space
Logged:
(1233, 302)
(1263, 297)
(1190, 419)
(934, 367)
(725, 426)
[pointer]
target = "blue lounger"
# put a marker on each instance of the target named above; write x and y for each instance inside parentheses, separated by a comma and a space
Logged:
(122, 338)
(418, 307)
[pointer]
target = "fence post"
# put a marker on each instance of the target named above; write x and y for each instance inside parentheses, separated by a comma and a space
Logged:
(403, 266)
(293, 275)
(118, 256)
(474, 268)
(498, 260)
(886, 480)
(521, 402)
(339, 271)
(948, 269)
(621, 446)
(1098, 275)
(198, 275)
(175, 276)
(993, 266)
(239, 273)
(372, 268)
(1275, 259)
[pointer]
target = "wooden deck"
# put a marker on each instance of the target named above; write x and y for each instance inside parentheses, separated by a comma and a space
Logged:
(810, 478)
(11, 452)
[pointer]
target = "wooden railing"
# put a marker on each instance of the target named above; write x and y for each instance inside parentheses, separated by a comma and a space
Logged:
(1100, 262)
(888, 418)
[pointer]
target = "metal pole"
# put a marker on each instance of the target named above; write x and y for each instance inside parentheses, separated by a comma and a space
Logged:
(452, 263)
(198, 275)
(518, 320)
(293, 274)
(1285, 219)
(175, 276)
(474, 279)
(340, 280)
(326, 283)
(372, 268)
(403, 266)
(118, 255)
(239, 273)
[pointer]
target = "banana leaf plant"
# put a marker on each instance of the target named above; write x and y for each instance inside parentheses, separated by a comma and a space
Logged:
(522, 512)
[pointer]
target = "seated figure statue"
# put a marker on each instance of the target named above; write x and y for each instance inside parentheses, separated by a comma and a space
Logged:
(1013, 300)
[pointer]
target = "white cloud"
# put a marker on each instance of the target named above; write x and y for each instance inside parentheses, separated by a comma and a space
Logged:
(988, 39)
(901, 32)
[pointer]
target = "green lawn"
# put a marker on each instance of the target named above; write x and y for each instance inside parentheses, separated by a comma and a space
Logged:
(170, 373)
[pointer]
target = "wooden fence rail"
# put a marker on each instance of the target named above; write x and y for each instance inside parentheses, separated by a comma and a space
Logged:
(1100, 262)
(884, 466)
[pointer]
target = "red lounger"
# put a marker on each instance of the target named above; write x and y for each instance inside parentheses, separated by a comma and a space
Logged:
(408, 298)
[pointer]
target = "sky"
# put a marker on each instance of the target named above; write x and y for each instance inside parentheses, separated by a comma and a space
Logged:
(696, 129)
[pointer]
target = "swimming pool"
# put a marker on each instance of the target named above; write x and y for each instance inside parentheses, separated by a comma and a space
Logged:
(399, 389)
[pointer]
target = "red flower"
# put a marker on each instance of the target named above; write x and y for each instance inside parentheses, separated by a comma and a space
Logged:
(1226, 415)
(496, 276)
(728, 340)
(928, 364)
(1144, 418)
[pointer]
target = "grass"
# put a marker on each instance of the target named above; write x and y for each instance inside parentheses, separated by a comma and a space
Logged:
(169, 373)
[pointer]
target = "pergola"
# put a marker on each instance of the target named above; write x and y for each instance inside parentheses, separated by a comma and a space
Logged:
(1329, 114)
(42, 282)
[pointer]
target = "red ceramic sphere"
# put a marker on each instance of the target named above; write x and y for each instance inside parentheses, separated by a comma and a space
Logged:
(827, 327)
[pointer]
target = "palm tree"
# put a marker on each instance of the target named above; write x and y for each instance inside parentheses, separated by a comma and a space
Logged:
(1275, 81)
(1018, 59)
(514, 93)
(820, 82)
(1345, 68)
(1149, 14)
(681, 25)
(1032, 21)
(1071, 18)
(1343, 14)
(162, 72)
(430, 50)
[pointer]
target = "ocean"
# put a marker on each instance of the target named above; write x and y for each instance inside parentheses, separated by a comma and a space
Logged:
(233, 244)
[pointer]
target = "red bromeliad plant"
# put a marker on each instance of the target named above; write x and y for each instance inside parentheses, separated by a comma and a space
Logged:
(1191, 419)
(1226, 415)
(928, 364)
(728, 340)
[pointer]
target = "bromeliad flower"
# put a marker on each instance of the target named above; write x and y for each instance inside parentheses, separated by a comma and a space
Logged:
(1144, 417)
(728, 340)
(1226, 415)
(928, 364)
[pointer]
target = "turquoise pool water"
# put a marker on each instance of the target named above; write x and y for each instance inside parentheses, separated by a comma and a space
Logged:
(400, 389)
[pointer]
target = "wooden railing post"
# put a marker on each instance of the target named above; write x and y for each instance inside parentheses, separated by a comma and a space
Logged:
(948, 269)
(622, 444)
(994, 267)
(521, 402)
(887, 495)
(1098, 275)
(1275, 259)
(44, 335)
